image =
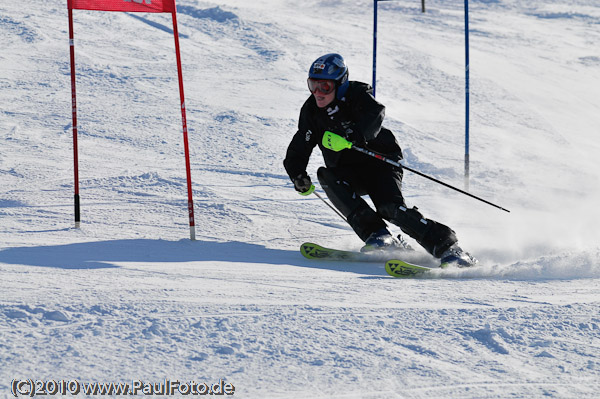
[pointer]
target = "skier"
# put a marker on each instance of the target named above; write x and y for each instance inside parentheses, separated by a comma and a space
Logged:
(348, 108)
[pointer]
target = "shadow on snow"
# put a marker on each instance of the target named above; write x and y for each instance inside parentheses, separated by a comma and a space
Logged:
(107, 254)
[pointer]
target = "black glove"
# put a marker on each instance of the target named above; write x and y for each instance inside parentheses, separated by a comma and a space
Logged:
(353, 136)
(302, 183)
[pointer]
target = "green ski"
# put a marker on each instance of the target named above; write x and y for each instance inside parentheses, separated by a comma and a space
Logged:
(400, 269)
(315, 251)
(395, 268)
(311, 250)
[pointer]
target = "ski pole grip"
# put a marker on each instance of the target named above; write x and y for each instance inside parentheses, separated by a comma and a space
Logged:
(335, 142)
(309, 191)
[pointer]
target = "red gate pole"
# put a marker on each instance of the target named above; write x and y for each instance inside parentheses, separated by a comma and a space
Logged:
(185, 130)
(74, 109)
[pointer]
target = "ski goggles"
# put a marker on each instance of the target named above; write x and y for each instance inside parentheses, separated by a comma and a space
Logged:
(323, 85)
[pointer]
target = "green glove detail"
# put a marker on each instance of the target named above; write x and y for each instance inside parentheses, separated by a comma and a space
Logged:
(309, 191)
(334, 142)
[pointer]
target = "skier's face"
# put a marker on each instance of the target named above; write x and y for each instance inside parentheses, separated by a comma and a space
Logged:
(323, 90)
(323, 100)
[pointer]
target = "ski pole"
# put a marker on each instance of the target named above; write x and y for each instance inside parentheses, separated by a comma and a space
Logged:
(337, 143)
(329, 205)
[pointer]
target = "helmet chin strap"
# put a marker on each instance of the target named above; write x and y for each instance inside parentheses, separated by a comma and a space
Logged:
(340, 90)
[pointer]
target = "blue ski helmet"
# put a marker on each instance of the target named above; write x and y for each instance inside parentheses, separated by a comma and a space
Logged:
(331, 66)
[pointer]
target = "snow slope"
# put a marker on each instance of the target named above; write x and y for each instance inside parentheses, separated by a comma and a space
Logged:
(129, 297)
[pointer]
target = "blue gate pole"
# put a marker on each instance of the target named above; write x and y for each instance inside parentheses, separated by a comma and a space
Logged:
(374, 45)
(466, 94)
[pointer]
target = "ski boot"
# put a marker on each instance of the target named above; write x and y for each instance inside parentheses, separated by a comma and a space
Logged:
(455, 256)
(383, 240)
(402, 244)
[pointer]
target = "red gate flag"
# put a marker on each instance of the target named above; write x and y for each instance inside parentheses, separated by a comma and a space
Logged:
(156, 6)
(123, 5)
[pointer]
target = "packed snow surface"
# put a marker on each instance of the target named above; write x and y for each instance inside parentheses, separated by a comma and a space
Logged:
(128, 297)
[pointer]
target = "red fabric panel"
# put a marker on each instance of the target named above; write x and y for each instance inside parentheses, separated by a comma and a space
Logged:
(123, 5)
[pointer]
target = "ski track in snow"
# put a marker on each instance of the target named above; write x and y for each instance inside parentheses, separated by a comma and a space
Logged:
(129, 297)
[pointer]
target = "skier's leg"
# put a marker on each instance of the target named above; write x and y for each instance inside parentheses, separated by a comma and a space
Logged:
(345, 194)
(438, 239)
(385, 189)
(435, 237)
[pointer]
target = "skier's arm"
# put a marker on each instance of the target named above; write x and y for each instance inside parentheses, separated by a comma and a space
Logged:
(297, 155)
(300, 148)
(370, 114)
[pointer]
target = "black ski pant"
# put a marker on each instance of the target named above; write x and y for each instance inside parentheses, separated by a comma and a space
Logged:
(345, 185)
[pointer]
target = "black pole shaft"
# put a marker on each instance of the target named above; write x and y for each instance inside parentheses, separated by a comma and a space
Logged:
(399, 165)
(331, 206)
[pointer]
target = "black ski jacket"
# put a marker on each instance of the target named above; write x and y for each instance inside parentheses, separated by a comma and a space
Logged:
(357, 112)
